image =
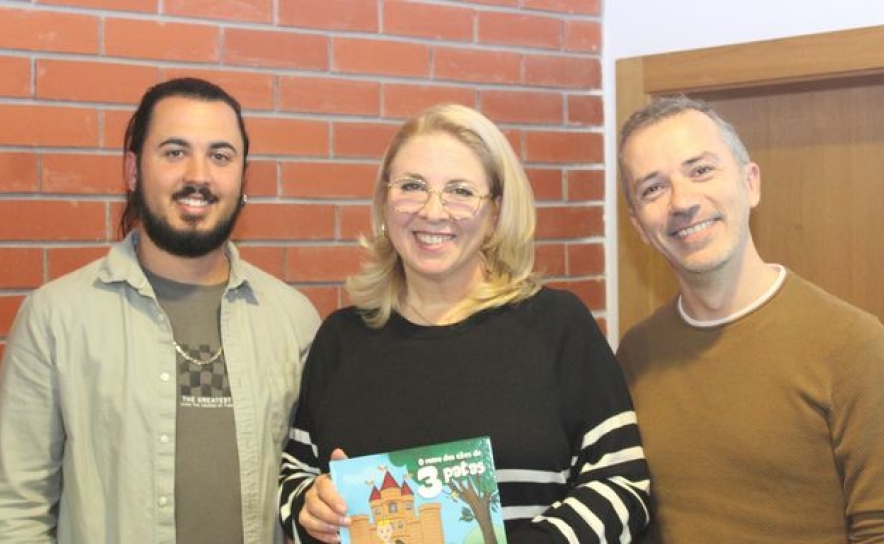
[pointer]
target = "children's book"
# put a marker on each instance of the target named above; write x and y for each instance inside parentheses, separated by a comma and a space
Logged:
(437, 494)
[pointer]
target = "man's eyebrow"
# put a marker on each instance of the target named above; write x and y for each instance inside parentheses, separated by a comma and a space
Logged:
(646, 177)
(184, 143)
(222, 145)
(175, 141)
(704, 156)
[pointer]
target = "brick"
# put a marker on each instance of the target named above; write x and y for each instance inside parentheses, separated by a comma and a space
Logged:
(261, 178)
(585, 110)
(48, 126)
(322, 263)
(477, 65)
(63, 260)
(363, 56)
(561, 222)
(549, 259)
(255, 11)
(586, 185)
(113, 127)
(161, 40)
(520, 29)
(362, 139)
(405, 101)
(546, 183)
(438, 22)
(591, 292)
(138, 6)
(517, 142)
(116, 211)
(273, 135)
(275, 49)
(326, 299)
(82, 174)
(581, 7)
(586, 259)
(328, 179)
(86, 81)
(19, 172)
(21, 267)
(329, 95)
(356, 15)
(253, 90)
(260, 221)
(523, 106)
(9, 305)
(57, 220)
(16, 80)
(354, 221)
(570, 72)
(563, 146)
(270, 259)
(48, 31)
(583, 36)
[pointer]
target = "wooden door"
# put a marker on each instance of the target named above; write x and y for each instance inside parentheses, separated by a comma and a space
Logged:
(811, 111)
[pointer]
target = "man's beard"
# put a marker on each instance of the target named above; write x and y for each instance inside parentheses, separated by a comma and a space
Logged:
(187, 242)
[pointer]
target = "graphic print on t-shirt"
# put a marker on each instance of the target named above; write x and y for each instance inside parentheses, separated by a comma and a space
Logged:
(206, 385)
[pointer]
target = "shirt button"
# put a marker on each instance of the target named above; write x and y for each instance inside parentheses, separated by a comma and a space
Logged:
(162, 501)
(165, 376)
(164, 438)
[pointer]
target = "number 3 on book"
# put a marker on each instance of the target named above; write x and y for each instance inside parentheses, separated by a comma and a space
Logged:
(428, 477)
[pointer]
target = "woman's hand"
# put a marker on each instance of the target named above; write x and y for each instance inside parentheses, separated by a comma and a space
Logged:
(324, 511)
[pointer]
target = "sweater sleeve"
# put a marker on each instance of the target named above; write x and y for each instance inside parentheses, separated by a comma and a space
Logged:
(609, 483)
(300, 463)
(858, 431)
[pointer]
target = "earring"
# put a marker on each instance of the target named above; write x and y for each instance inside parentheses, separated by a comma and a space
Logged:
(384, 230)
(245, 199)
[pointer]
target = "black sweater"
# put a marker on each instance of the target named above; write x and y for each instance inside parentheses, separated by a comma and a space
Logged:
(537, 377)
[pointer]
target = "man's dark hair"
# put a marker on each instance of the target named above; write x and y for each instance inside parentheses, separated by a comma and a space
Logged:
(139, 123)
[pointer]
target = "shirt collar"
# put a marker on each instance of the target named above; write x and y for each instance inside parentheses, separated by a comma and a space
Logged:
(121, 265)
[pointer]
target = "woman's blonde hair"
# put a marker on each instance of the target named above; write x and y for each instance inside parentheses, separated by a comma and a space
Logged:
(507, 255)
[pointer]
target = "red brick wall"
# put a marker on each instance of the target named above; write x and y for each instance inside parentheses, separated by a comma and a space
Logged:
(324, 83)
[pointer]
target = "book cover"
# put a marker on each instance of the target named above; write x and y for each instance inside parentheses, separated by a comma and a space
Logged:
(436, 494)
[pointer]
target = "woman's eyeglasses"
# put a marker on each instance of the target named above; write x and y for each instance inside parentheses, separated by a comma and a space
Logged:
(460, 200)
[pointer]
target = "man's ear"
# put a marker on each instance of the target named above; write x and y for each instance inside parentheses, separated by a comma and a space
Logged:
(130, 166)
(752, 175)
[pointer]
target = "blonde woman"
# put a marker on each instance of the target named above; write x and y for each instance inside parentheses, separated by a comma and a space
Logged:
(451, 336)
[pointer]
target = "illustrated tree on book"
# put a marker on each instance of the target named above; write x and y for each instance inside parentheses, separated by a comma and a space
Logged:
(463, 476)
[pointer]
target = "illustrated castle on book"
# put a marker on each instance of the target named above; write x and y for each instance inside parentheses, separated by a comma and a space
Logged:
(395, 519)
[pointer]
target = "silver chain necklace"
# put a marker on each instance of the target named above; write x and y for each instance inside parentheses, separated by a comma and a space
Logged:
(191, 359)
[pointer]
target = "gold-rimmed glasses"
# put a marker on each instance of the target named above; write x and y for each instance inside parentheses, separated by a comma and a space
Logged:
(461, 200)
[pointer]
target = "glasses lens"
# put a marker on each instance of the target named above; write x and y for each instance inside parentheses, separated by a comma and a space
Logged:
(459, 209)
(461, 201)
(408, 196)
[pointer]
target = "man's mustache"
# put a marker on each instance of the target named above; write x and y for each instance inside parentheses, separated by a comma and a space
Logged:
(190, 189)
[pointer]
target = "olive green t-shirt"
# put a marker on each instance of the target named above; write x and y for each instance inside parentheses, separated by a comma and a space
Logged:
(207, 483)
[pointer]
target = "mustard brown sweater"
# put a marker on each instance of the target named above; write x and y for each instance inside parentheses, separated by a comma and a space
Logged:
(767, 429)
